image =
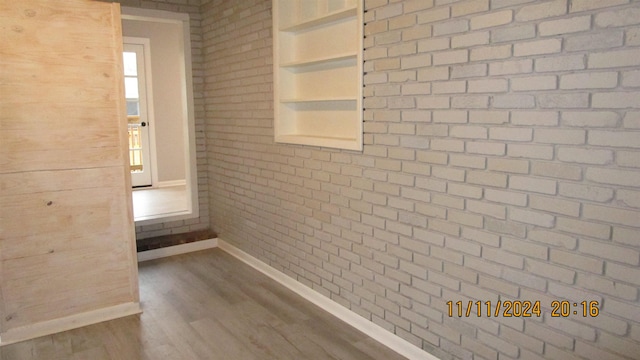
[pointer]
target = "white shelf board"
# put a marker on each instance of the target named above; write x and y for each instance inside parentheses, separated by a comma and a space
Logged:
(319, 61)
(305, 100)
(321, 20)
(324, 141)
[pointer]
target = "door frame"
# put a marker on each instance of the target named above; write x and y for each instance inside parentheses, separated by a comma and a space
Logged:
(148, 94)
(186, 87)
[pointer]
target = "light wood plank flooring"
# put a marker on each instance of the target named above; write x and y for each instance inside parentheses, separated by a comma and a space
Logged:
(209, 305)
(151, 203)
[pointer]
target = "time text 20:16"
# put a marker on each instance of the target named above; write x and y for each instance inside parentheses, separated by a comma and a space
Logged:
(518, 308)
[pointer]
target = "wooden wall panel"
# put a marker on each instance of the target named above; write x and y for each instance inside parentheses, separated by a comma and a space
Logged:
(67, 240)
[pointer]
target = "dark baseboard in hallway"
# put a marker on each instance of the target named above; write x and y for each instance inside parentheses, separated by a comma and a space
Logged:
(158, 242)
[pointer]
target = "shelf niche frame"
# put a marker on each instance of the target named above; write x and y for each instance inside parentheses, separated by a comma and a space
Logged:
(318, 73)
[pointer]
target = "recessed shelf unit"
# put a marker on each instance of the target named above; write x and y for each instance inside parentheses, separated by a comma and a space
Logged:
(318, 72)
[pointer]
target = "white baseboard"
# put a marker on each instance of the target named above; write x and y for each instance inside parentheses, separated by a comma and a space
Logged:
(374, 331)
(49, 327)
(169, 183)
(177, 249)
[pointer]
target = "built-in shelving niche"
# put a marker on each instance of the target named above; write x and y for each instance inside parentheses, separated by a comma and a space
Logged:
(318, 72)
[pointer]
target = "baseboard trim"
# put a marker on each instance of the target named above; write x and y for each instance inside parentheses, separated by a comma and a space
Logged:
(169, 183)
(177, 249)
(374, 331)
(49, 327)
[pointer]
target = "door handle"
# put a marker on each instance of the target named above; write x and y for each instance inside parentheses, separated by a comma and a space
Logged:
(143, 124)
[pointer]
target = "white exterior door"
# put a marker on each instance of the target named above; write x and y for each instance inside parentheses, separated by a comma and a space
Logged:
(137, 94)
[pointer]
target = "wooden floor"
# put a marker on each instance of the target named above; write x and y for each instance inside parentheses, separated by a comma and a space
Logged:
(151, 203)
(209, 305)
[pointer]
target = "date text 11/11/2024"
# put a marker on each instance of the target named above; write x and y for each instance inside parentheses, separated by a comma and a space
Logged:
(507, 308)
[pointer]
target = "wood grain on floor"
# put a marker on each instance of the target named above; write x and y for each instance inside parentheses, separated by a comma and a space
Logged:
(209, 305)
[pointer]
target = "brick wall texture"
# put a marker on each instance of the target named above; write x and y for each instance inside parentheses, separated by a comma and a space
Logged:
(501, 162)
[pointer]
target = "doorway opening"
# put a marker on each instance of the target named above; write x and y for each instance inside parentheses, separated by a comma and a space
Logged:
(160, 115)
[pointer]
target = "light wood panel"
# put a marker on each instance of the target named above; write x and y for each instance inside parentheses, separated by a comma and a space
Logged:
(209, 305)
(67, 240)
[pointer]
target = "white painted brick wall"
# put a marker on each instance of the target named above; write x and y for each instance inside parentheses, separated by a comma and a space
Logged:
(501, 161)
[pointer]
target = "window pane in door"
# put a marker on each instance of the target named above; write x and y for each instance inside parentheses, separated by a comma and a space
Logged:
(130, 67)
(133, 108)
(135, 148)
(131, 87)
